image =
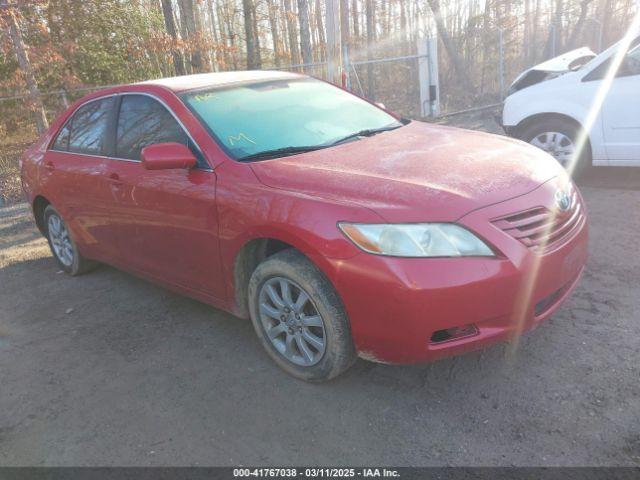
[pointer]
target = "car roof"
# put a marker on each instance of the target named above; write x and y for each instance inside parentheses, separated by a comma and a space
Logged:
(218, 79)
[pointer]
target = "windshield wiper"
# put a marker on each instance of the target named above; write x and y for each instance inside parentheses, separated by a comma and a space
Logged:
(283, 152)
(280, 152)
(369, 132)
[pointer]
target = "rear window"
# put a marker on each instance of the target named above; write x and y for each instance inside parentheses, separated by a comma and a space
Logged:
(87, 130)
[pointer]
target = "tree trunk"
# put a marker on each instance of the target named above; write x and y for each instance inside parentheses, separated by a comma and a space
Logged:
(256, 35)
(253, 55)
(577, 30)
(403, 28)
(305, 34)
(25, 65)
(273, 23)
(169, 23)
(533, 50)
(193, 35)
(450, 47)
(322, 41)
(371, 34)
(527, 28)
(356, 23)
(344, 25)
(553, 40)
(292, 33)
(226, 38)
(214, 36)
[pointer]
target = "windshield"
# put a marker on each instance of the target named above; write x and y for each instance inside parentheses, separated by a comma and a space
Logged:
(283, 114)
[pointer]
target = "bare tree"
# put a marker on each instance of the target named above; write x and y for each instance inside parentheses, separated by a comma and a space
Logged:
(273, 23)
(371, 36)
(292, 33)
(553, 40)
(9, 16)
(320, 27)
(187, 16)
(250, 30)
(344, 25)
(355, 17)
(449, 46)
(577, 29)
(305, 33)
(170, 25)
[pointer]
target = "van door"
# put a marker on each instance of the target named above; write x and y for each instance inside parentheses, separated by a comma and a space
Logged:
(621, 112)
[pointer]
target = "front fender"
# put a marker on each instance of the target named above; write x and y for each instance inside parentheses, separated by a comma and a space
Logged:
(249, 210)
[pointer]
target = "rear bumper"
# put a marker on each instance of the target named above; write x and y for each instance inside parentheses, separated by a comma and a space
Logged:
(396, 304)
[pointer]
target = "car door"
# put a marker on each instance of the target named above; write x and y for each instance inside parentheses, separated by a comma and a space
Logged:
(621, 111)
(166, 219)
(75, 167)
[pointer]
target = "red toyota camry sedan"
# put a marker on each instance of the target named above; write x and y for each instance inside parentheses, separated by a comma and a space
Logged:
(337, 227)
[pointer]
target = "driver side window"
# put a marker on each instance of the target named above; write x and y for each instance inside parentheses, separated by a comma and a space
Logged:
(142, 121)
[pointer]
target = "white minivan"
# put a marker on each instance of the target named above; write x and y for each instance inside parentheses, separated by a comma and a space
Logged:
(549, 105)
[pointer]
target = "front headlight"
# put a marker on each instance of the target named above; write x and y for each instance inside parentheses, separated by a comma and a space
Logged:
(416, 240)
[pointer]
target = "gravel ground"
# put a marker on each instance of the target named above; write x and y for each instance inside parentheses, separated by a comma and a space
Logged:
(107, 369)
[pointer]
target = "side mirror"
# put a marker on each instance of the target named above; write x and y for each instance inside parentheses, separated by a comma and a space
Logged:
(166, 156)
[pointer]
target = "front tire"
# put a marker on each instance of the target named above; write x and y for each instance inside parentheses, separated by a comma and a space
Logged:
(559, 138)
(299, 318)
(64, 249)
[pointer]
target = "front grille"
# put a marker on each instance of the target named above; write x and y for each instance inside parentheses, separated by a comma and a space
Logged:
(540, 228)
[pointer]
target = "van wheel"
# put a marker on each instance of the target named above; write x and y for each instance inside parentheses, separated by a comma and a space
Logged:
(62, 246)
(299, 318)
(559, 138)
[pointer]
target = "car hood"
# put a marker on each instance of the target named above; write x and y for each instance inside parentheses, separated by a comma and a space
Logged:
(552, 68)
(566, 61)
(420, 172)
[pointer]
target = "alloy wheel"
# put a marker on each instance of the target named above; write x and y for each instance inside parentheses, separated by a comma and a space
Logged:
(291, 321)
(60, 240)
(557, 144)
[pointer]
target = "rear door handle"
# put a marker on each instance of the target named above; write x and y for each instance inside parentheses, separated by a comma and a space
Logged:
(114, 177)
(49, 165)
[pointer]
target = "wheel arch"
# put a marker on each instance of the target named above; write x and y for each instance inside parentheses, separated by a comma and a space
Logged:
(258, 247)
(525, 123)
(587, 152)
(250, 255)
(39, 204)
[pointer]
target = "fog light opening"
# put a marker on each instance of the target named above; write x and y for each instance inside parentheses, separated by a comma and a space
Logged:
(454, 333)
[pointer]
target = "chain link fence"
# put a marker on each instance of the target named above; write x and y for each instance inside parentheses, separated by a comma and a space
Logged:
(388, 73)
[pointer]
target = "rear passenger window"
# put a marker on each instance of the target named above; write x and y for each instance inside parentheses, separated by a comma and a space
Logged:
(88, 128)
(62, 141)
(144, 121)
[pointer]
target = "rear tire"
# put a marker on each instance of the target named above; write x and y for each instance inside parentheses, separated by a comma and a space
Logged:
(64, 249)
(308, 337)
(557, 137)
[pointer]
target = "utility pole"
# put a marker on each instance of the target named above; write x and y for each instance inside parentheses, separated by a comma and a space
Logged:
(334, 48)
(8, 15)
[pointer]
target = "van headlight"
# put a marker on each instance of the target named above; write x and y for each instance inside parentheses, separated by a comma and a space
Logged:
(416, 240)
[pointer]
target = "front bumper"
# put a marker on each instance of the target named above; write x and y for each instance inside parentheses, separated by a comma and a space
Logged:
(396, 304)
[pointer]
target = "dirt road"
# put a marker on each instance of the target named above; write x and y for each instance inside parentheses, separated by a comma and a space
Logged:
(107, 369)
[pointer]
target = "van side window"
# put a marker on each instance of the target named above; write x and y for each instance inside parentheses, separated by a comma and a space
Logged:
(88, 127)
(144, 121)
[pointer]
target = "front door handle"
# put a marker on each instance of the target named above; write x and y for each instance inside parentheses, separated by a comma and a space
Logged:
(48, 164)
(114, 177)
